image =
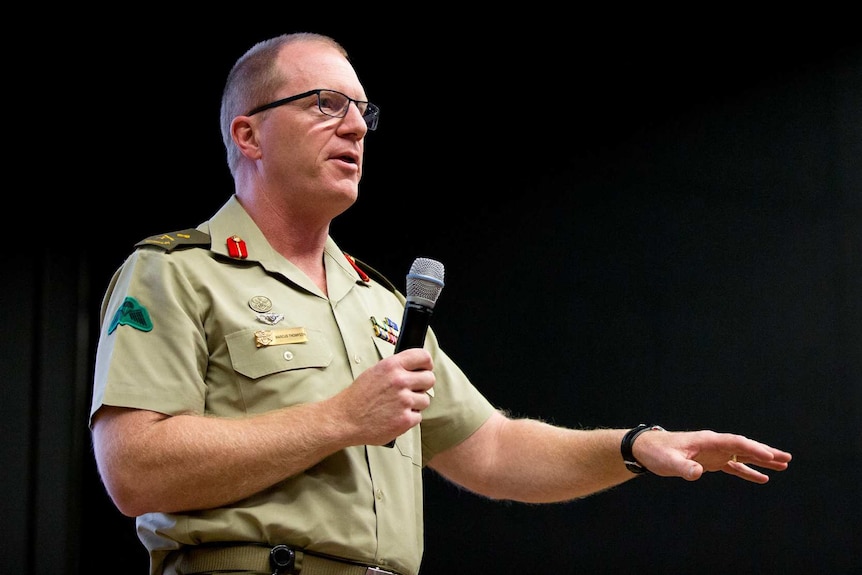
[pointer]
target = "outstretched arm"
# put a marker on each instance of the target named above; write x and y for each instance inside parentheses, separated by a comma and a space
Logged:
(531, 461)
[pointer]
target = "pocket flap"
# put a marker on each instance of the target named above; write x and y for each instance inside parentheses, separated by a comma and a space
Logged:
(254, 362)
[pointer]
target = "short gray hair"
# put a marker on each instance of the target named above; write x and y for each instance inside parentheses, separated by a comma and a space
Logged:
(254, 80)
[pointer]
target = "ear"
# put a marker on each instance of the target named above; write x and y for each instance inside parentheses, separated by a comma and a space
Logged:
(242, 130)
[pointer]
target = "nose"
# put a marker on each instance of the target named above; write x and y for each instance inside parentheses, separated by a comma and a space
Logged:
(353, 119)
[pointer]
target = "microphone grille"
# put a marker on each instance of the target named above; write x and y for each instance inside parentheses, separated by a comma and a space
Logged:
(425, 281)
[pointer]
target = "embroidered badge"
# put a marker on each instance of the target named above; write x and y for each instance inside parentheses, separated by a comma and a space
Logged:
(133, 314)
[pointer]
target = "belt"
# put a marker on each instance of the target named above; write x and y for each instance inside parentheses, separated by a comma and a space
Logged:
(251, 557)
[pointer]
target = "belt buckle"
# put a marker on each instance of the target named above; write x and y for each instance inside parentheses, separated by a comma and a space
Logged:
(377, 571)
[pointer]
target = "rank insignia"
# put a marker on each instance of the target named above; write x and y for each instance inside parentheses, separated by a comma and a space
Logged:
(386, 329)
(133, 314)
(172, 241)
(236, 247)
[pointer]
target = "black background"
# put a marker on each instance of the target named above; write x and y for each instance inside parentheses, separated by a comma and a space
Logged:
(642, 220)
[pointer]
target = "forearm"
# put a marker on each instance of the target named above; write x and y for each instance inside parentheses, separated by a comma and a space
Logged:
(531, 461)
(150, 462)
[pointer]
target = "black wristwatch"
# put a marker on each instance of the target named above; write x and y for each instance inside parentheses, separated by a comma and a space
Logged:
(632, 464)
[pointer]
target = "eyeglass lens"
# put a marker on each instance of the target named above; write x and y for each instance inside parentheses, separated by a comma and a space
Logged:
(335, 104)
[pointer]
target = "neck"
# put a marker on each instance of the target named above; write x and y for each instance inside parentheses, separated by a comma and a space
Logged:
(298, 239)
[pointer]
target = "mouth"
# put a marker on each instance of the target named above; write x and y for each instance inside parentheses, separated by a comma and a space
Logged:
(347, 158)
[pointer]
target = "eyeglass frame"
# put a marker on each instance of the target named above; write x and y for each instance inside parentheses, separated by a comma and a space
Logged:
(371, 110)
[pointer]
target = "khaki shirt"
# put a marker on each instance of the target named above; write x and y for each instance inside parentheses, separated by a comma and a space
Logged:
(180, 333)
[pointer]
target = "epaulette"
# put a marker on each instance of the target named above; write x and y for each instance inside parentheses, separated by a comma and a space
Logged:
(169, 242)
(381, 279)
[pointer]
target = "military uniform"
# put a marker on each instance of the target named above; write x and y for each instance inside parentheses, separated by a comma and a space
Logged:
(214, 321)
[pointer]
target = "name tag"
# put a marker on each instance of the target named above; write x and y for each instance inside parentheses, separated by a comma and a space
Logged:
(266, 337)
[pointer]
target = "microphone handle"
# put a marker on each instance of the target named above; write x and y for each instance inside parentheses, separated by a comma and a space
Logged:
(414, 326)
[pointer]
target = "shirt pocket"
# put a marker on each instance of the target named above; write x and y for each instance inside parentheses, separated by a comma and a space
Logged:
(256, 362)
(274, 376)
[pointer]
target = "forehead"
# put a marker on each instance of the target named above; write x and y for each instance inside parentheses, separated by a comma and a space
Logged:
(309, 65)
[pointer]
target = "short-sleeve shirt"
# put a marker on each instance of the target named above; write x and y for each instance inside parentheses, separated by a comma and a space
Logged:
(215, 322)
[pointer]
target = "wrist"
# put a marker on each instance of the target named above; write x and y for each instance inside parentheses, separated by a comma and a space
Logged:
(626, 445)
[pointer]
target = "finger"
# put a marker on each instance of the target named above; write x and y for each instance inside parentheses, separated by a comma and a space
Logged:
(756, 451)
(773, 464)
(745, 472)
(422, 381)
(415, 359)
(421, 401)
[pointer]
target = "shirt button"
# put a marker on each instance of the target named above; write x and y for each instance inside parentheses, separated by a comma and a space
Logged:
(379, 494)
(288, 355)
(357, 358)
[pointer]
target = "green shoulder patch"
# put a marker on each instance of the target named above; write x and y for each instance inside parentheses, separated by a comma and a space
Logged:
(169, 242)
(133, 314)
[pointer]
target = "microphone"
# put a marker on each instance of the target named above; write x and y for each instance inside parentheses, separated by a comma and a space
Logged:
(424, 284)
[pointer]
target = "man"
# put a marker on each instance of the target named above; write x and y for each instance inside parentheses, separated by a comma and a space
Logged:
(247, 389)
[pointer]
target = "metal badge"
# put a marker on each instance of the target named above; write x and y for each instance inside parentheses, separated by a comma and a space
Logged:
(260, 303)
(266, 337)
(270, 318)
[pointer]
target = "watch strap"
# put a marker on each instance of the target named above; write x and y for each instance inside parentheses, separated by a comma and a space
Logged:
(632, 464)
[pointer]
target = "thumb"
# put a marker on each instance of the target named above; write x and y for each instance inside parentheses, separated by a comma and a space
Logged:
(677, 464)
(694, 470)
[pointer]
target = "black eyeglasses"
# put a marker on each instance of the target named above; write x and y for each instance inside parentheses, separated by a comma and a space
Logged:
(331, 103)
